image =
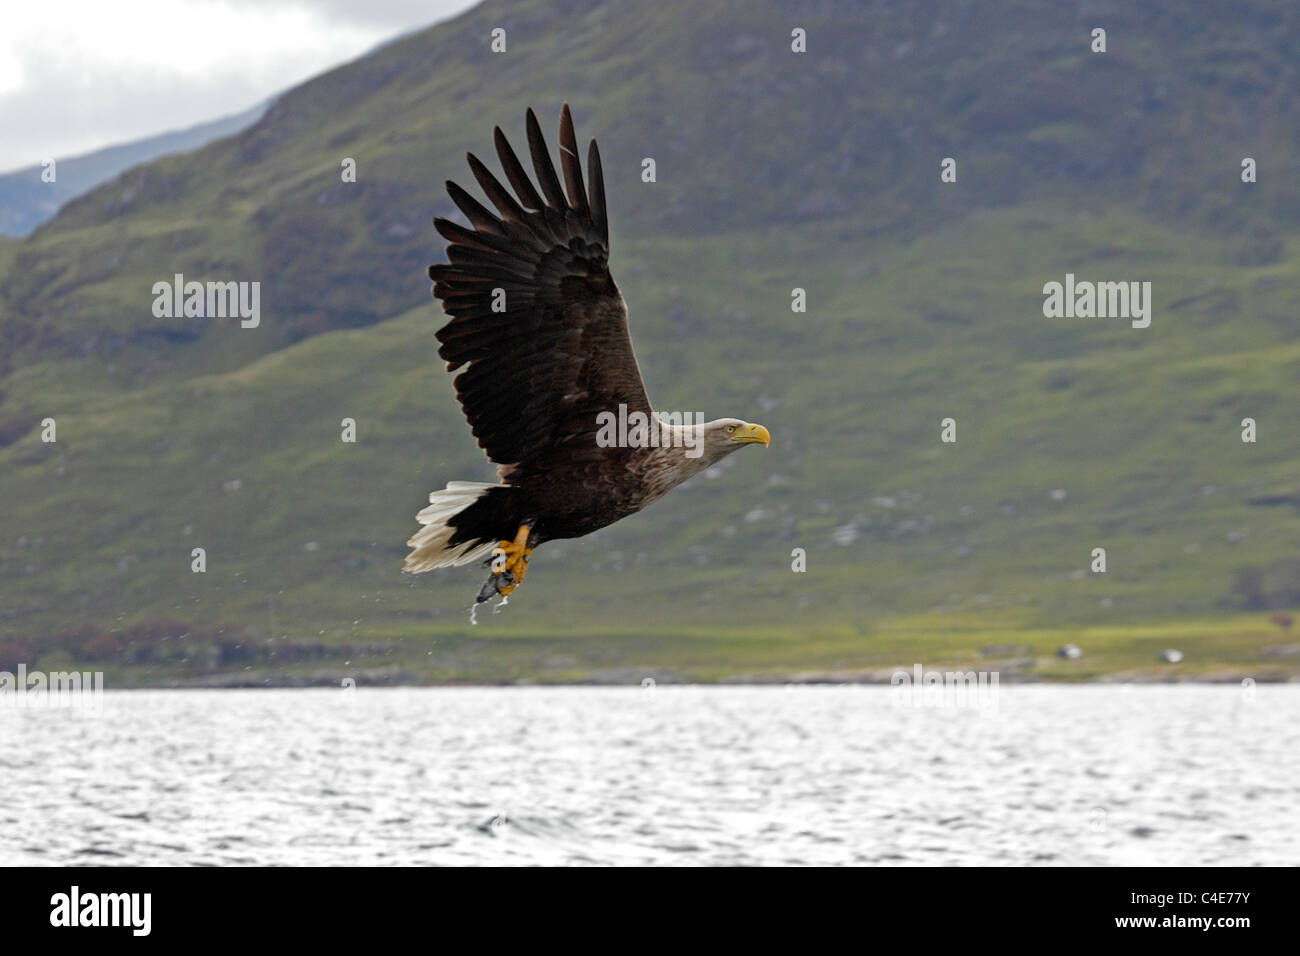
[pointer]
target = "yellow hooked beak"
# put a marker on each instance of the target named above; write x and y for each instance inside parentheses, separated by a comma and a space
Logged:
(752, 433)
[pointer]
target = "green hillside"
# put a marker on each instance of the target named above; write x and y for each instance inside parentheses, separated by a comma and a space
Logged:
(775, 170)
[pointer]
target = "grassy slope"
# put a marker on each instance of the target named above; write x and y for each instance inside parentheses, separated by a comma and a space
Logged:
(746, 136)
(925, 303)
(1106, 412)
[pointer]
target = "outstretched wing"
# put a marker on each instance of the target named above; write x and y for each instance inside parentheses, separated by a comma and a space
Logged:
(536, 319)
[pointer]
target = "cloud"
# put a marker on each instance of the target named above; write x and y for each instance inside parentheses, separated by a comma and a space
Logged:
(77, 75)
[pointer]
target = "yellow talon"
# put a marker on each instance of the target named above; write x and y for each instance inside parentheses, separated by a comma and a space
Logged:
(512, 557)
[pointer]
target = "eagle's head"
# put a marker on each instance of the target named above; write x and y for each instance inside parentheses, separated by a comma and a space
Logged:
(725, 435)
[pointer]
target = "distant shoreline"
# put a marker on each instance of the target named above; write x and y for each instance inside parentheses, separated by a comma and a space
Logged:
(307, 682)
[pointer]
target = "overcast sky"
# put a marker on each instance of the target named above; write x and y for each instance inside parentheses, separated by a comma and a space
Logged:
(76, 75)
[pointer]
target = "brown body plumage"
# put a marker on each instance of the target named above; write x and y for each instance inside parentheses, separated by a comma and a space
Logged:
(539, 334)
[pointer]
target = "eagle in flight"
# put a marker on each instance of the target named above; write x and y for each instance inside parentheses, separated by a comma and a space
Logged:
(539, 330)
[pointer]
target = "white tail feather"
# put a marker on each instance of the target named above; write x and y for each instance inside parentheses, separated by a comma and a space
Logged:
(430, 545)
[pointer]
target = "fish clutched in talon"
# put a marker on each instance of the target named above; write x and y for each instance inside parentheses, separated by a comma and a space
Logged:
(509, 564)
(539, 333)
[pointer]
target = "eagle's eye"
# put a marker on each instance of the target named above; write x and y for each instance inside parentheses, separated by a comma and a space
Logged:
(731, 428)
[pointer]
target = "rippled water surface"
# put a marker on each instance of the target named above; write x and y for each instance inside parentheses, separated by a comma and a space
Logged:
(669, 775)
